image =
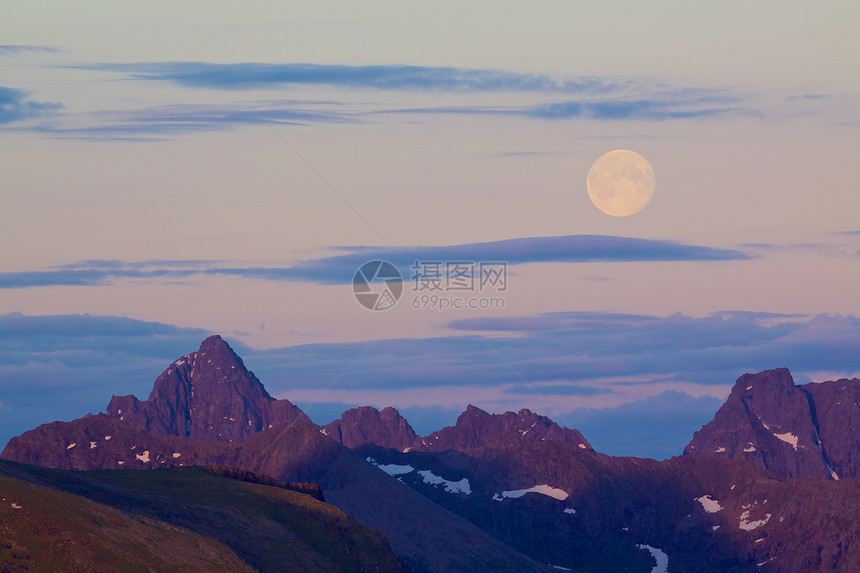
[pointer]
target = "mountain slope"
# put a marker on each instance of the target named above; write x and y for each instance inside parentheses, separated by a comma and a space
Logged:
(183, 519)
(583, 510)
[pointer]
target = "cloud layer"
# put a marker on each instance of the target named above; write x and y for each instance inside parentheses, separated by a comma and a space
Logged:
(340, 269)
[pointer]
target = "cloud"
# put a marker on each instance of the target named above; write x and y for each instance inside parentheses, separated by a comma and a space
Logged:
(658, 107)
(252, 75)
(11, 49)
(14, 106)
(340, 269)
(167, 120)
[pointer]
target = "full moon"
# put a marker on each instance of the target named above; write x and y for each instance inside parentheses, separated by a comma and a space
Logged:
(620, 183)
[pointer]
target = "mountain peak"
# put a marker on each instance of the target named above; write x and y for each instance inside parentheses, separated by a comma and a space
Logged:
(206, 395)
(769, 380)
(367, 425)
(769, 419)
(475, 427)
(216, 345)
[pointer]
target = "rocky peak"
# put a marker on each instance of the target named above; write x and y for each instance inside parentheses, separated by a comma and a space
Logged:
(769, 419)
(476, 427)
(206, 395)
(367, 425)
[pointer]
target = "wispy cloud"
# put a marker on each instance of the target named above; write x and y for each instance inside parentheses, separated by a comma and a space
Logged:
(592, 97)
(15, 106)
(340, 269)
(252, 75)
(11, 49)
(170, 120)
(657, 107)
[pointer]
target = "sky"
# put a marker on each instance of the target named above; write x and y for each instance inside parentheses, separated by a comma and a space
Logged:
(173, 170)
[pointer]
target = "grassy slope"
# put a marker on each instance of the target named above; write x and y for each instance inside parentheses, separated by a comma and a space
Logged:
(58, 531)
(101, 517)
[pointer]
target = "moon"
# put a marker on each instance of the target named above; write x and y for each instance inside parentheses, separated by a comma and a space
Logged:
(620, 183)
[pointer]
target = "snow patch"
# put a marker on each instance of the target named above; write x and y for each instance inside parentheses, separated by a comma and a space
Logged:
(15, 505)
(709, 505)
(120, 462)
(93, 445)
(176, 455)
(560, 568)
(323, 431)
(395, 470)
(763, 563)
(72, 445)
(583, 446)
(659, 556)
(749, 448)
(788, 438)
(747, 525)
(107, 438)
(179, 362)
(144, 457)
(544, 489)
(461, 486)
(832, 473)
(716, 527)
(569, 510)
(720, 450)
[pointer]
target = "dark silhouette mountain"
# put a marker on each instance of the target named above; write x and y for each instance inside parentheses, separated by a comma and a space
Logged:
(207, 395)
(808, 430)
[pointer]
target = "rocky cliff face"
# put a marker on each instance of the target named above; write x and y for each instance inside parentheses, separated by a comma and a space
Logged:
(207, 395)
(836, 408)
(793, 431)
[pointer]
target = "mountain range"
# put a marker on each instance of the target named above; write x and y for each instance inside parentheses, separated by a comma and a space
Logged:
(762, 487)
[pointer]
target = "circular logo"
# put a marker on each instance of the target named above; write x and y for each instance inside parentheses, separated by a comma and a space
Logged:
(377, 285)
